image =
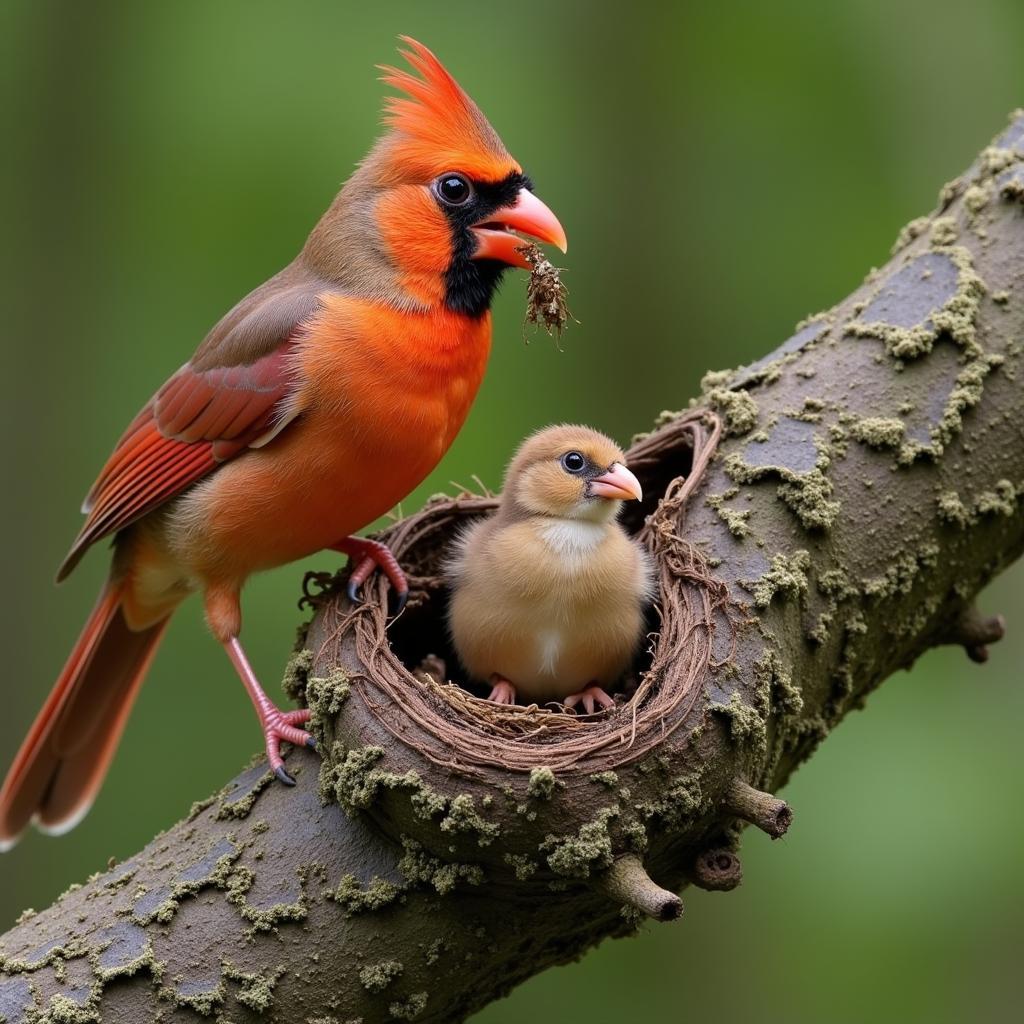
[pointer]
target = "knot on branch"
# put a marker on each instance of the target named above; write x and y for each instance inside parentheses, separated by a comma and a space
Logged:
(717, 870)
(974, 632)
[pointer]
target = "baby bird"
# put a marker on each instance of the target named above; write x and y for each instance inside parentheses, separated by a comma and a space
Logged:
(548, 595)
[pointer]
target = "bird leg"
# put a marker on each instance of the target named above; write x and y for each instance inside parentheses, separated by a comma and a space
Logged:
(277, 725)
(591, 696)
(367, 555)
(502, 691)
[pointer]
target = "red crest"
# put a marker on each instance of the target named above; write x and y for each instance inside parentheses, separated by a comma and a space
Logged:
(435, 126)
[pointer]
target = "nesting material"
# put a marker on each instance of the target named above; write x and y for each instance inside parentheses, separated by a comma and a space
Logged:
(547, 305)
(469, 735)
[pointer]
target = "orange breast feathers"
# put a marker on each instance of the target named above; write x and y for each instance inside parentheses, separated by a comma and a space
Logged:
(381, 396)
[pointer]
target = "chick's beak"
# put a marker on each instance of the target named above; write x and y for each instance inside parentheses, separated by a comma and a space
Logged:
(617, 483)
(495, 237)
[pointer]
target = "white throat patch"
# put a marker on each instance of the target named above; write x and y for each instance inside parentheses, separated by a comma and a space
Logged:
(573, 538)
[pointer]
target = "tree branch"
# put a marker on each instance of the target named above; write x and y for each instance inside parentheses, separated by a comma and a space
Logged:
(868, 486)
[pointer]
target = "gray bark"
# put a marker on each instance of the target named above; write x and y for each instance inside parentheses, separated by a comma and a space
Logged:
(868, 487)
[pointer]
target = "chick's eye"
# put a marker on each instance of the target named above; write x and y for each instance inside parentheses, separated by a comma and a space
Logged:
(453, 189)
(573, 462)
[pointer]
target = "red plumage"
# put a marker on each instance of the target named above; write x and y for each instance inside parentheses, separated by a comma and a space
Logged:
(314, 406)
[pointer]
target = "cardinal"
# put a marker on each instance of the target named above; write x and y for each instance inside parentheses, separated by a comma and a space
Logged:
(314, 406)
(548, 595)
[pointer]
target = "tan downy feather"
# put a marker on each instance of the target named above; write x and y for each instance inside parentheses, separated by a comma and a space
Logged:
(550, 592)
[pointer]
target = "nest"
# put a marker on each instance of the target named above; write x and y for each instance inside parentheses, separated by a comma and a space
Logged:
(467, 734)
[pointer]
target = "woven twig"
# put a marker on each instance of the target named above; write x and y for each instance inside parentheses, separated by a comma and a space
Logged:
(464, 733)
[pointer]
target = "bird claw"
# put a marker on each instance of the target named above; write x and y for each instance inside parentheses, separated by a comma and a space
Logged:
(592, 698)
(400, 599)
(502, 692)
(281, 726)
(366, 556)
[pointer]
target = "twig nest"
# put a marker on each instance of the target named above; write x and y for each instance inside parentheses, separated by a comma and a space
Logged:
(456, 778)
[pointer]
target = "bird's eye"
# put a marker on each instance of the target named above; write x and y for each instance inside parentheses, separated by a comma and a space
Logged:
(573, 462)
(453, 189)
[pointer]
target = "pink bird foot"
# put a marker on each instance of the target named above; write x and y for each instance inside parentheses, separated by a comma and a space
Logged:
(591, 696)
(367, 555)
(278, 726)
(502, 692)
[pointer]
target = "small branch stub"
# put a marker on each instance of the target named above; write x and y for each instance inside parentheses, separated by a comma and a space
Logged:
(974, 631)
(626, 881)
(767, 812)
(717, 870)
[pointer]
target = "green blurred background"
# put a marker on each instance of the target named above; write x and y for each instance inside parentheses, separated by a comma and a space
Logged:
(721, 170)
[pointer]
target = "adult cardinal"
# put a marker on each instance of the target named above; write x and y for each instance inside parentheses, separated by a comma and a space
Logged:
(322, 399)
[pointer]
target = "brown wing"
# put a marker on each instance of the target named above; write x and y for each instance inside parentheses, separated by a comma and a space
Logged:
(233, 394)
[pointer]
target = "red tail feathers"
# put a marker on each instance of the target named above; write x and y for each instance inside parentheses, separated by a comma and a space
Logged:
(61, 764)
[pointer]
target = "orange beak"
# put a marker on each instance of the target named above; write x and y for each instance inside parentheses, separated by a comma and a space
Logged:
(617, 483)
(495, 237)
